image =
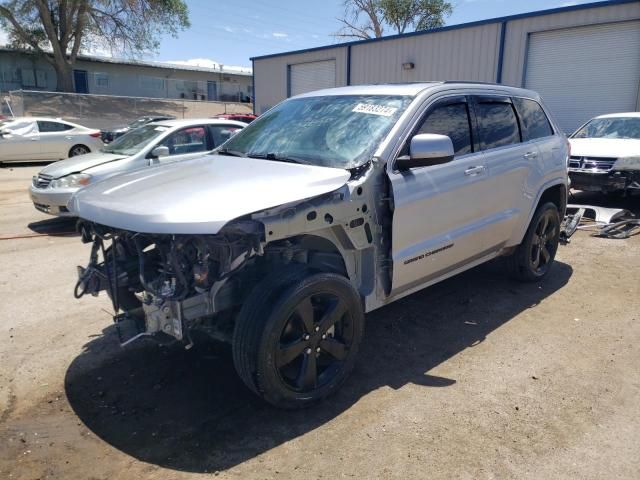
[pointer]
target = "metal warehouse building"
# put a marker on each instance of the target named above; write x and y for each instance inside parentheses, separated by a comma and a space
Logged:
(584, 60)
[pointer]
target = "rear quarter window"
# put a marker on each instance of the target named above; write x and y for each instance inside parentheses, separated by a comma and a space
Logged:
(498, 124)
(535, 123)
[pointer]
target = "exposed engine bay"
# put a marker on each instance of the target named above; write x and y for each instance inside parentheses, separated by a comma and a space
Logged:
(172, 284)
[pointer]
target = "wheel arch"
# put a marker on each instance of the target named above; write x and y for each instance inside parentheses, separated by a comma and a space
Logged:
(331, 251)
(554, 191)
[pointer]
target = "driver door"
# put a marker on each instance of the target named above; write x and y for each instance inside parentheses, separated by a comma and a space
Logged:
(438, 218)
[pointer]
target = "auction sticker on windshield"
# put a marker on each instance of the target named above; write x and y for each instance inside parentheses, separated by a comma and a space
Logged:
(375, 109)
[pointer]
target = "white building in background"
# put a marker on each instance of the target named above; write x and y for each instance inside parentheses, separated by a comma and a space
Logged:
(21, 70)
(584, 60)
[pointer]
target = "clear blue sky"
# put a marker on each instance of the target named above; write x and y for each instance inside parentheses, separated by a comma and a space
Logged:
(230, 32)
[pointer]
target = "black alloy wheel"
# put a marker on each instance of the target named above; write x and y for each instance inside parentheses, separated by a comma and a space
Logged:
(315, 342)
(544, 242)
(533, 258)
(297, 336)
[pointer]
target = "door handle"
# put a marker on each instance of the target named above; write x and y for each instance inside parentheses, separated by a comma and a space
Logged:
(530, 155)
(473, 171)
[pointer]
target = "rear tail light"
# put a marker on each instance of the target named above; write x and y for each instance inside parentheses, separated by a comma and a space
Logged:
(97, 134)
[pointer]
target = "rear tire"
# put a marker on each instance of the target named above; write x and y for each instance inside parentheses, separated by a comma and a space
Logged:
(78, 150)
(534, 257)
(296, 339)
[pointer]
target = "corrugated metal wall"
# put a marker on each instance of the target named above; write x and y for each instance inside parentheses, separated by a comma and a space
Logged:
(465, 54)
(271, 74)
(517, 34)
(470, 53)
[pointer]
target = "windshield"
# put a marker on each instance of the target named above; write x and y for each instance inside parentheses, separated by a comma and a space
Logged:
(620, 127)
(330, 131)
(138, 123)
(135, 140)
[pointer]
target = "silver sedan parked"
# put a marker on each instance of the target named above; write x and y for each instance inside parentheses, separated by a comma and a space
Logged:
(25, 139)
(153, 144)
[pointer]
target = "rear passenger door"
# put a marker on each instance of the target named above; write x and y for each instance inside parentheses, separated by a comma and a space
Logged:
(509, 161)
(54, 139)
(537, 130)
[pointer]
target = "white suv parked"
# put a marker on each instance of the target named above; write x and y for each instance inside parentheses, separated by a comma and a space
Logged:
(328, 206)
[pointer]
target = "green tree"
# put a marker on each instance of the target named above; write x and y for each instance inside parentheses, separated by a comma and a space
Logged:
(364, 19)
(59, 29)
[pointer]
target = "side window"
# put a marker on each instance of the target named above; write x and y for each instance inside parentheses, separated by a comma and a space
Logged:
(45, 126)
(535, 123)
(498, 124)
(187, 140)
(222, 133)
(451, 120)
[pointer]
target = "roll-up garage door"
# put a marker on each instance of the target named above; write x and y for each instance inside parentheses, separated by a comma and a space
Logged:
(586, 71)
(307, 77)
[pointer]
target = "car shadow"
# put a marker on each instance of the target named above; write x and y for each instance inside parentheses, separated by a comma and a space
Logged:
(58, 226)
(188, 410)
(13, 164)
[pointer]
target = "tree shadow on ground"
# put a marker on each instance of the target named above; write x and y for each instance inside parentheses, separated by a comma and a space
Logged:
(188, 410)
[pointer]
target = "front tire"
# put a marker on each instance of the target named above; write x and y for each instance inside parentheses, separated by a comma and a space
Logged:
(534, 257)
(296, 342)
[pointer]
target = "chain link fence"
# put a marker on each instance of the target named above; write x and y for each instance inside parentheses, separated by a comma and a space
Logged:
(104, 111)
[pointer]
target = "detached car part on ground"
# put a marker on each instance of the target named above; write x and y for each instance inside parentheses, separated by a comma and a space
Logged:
(605, 154)
(617, 223)
(152, 144)
(330, 205)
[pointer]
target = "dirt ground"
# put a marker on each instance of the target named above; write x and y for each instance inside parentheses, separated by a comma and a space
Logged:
(474, 378)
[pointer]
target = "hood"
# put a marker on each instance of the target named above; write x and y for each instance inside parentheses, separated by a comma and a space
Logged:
(79, 163)
(200, 195)
(604, 147)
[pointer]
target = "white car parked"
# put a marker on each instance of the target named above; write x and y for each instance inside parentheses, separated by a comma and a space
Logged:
(605, 154)
(25, 139)
(152, 144)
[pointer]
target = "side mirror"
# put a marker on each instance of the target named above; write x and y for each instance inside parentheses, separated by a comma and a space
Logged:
(160, 151)
(5, 133)
(427, 149)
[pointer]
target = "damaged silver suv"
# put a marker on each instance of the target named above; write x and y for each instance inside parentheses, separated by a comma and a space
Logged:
(328, 206)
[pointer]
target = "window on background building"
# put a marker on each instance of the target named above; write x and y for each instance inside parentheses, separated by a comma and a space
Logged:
(151, 83)
(41, 79)
(180, 85)
(102, 79)
(28, 77)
